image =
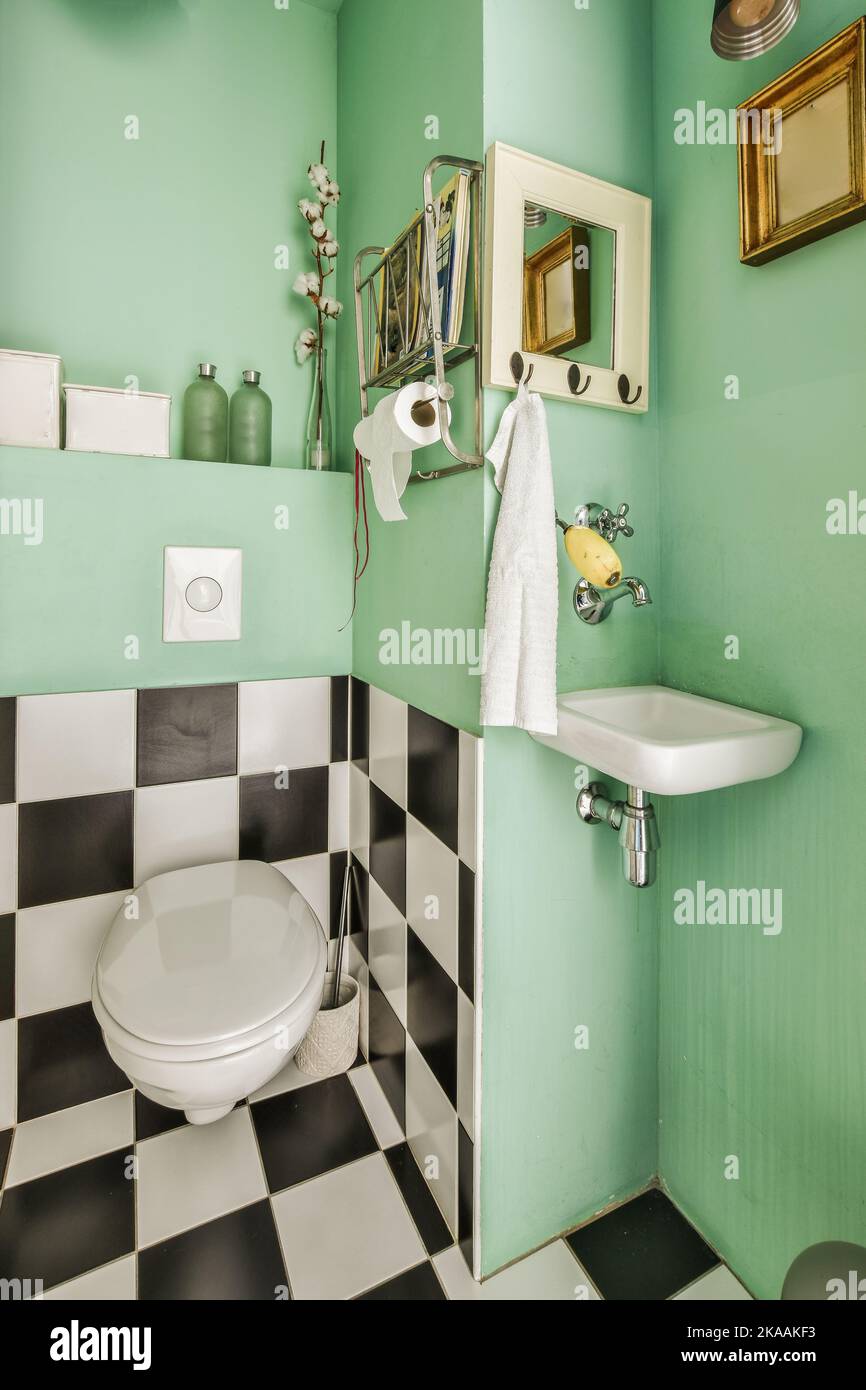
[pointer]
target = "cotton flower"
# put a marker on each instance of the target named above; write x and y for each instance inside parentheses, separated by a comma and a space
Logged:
(318, 176)
(318, 229)
(312, 211)
(305, 346)
(307, 284)
(331, 308)
(330, 248)
(330, 193)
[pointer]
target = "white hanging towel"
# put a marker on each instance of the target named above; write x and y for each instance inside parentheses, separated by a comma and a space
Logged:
(519, 682)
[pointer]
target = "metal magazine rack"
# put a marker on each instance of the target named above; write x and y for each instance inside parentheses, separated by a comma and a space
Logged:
(398, 319)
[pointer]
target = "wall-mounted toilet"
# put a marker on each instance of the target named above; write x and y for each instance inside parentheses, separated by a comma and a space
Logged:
(206, 983)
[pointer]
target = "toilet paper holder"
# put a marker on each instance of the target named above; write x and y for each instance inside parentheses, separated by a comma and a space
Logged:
(406, 274)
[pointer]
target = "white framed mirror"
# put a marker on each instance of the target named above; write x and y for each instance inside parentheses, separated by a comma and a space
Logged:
(567, 282)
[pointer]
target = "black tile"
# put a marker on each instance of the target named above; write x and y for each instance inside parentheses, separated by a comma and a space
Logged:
(67, 1223)
(311, 1130)
(387, 1051)
(236, 1258)
(7, 749)
(74, 848)
(465, 1163)
(284, 822)
(431, 1224)
(62, 1061)
(466, 931)
(359, 914)
(415, 1286)
(5, 1146)
(431, 1013)
(152, 1119)
(643, 1250)
(388, 846)
(339, 718)
(433, 774)
(359, 724)
(187, 733)
(7, 966)
(336, 870)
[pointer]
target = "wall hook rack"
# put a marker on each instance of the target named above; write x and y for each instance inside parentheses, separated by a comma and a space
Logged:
(518, 367)
(574, 386)
(624, 388)
(402, 286)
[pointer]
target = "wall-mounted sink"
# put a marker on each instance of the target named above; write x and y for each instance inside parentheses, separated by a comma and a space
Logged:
(670, 743)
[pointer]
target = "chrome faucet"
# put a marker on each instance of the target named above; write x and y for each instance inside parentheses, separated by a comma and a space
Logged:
(593, 607)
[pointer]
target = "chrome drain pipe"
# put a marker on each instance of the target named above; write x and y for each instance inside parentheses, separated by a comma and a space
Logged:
(635, 820)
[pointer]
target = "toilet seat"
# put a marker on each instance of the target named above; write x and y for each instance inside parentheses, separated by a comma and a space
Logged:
(219, 959)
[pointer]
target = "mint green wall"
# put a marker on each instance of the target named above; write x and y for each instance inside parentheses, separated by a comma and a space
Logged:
(68, 605)
(428, 570)
(146, 256)
(762, 1038)
(566, 941)
(143, 257)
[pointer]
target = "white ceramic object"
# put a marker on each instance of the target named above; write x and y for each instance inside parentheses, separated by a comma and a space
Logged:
(668, 742)
(331, 1045)
(108, 420)
(30, 399)
(201, 594)
(206, 982)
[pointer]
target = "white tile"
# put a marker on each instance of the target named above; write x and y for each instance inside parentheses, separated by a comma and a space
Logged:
(75, 745)
(431, 893)
(383, 1121)
(431, 1129)
(191, 1175)
(359, 815)
(289, 1079)
(56, 948)
(359, 970)
(70, 1136)
(466, 1063)
(550, 1275)
(387, 949)
(111, 1284)
(181, 824)
(8, 1071)
(346, 1231)
(338, 807)
(284, 724)
(719, 1286)
(8, 857)
(388, 744)
(311, 876)
(467, 798)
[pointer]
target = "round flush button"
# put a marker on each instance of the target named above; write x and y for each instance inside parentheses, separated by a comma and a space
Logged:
(204, 594)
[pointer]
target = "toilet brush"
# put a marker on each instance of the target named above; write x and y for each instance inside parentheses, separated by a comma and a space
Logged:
(341, 936)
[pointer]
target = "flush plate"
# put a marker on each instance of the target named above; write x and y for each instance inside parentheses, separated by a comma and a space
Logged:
(201, 594)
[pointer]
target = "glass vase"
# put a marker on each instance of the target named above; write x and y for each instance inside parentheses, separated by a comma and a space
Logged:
(318, 452)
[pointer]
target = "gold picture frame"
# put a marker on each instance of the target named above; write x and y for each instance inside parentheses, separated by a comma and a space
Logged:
(540, 334)
(802, 151)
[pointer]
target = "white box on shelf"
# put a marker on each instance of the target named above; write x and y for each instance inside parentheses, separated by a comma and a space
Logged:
(30, 398)
(109, 420)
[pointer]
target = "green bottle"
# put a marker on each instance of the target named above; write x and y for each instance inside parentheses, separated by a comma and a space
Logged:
(205, 417)
(250, 423)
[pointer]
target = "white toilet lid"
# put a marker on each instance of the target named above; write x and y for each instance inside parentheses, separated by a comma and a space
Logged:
(215, 952)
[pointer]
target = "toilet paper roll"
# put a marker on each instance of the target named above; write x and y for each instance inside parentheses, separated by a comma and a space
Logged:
(402, 422)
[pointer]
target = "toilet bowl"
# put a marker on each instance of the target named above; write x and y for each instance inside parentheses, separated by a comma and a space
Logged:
(206, 983)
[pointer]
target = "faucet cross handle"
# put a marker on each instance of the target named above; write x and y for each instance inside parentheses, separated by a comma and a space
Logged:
(610, 524)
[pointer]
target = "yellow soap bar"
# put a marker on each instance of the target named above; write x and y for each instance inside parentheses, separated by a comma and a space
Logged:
(593, 557)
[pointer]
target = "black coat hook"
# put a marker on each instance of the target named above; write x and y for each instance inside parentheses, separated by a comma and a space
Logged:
(518, 366)
(624, 388)
(574, 385)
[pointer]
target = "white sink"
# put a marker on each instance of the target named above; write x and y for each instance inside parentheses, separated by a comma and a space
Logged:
(668, 742)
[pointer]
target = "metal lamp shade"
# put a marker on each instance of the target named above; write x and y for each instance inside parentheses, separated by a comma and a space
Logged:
(735, 38)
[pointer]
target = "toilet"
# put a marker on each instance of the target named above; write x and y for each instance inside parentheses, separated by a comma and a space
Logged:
(206, 983)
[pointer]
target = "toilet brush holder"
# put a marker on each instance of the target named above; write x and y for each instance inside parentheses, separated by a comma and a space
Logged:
(331, 1045)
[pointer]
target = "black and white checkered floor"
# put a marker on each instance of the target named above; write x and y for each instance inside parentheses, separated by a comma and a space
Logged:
(307, 1192)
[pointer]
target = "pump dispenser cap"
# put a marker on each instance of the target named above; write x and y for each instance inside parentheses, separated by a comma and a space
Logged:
(207, 369)
(252, 378)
